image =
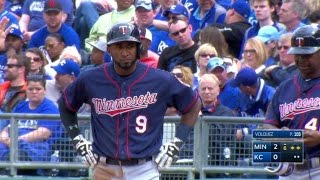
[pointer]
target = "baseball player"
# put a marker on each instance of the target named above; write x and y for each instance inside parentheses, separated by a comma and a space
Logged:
(296, 104)
(128, 102)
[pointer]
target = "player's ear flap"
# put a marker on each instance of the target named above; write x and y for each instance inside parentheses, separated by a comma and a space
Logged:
(108, 50)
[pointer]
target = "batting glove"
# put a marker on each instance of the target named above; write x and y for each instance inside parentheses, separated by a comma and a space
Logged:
(169, 153)
(84, 148)
(283, 169)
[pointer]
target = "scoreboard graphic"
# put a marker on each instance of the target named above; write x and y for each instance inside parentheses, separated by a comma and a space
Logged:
(277, 146)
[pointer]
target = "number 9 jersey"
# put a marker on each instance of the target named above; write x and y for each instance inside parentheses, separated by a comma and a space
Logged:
(127, 112)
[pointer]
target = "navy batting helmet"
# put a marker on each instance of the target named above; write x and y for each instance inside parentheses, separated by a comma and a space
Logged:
(123, 32)
(305, 40)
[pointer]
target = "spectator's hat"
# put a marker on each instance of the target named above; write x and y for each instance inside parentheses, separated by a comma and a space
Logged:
(52, 5)
(268, 33)
(214, 63)
(99, 44)
(67, 66)
(146, 4)
(241, 7)
(145, 34)
(177, 9)
(246, 76)
(15, 31)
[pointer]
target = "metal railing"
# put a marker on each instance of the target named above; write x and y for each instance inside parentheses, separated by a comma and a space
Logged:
(211, 150)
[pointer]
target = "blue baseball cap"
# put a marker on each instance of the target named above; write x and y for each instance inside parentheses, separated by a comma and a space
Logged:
(268, 33)
(246, 76)
(15, 31)
(242, 7)
(214, 63)
(67, 66)
(177, 9)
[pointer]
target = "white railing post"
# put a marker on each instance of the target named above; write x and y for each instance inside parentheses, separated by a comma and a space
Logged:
(13, 154)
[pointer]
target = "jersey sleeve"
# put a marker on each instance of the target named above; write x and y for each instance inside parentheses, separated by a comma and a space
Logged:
(183, 97)
(74, 95)
(273, 114)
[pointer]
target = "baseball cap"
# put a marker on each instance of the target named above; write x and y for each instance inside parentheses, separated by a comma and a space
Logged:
(145, 34)
(52, 5)
(146, 4)
(268, 33)
(215, 62)
(67, 66)
(99, 44)
(177, 9)
(246, 76)
(305, 40)
(242, 7)
(15, 31)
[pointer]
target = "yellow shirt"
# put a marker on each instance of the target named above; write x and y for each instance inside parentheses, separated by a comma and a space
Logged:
(105, 22)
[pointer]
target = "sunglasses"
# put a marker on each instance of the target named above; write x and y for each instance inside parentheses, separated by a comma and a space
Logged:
(178, 75)
(268, 42)
(180, 31)
(249, 51)
(206, 55)
(35, 59)
(13, 65)
(284, 47)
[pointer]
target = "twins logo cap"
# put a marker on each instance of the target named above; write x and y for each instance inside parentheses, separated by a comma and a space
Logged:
(67, 66)
(123, 32)
(305, 40)
(52, 5)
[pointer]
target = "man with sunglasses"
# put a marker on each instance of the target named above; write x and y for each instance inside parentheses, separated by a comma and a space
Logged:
(13, 44)
(286, 69)
(13, 90)
(183, 52)
(296, 105)
(145, 19)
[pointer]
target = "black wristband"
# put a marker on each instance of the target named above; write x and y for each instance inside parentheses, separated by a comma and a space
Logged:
(69, 120)
(183, 131)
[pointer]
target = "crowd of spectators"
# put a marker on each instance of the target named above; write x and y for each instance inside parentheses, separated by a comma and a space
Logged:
(233, 52)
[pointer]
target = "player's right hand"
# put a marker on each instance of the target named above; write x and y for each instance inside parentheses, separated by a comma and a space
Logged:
(84, 148)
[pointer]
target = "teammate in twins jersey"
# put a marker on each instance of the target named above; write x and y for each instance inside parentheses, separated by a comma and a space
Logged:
(296, 104)
(128, 101)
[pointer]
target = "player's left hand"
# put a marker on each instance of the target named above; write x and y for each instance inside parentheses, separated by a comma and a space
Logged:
(169, 153)
(311, 138)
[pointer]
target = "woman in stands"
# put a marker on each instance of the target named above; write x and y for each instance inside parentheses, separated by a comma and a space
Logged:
(35, 137)
(37, 61)
(255, 54)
